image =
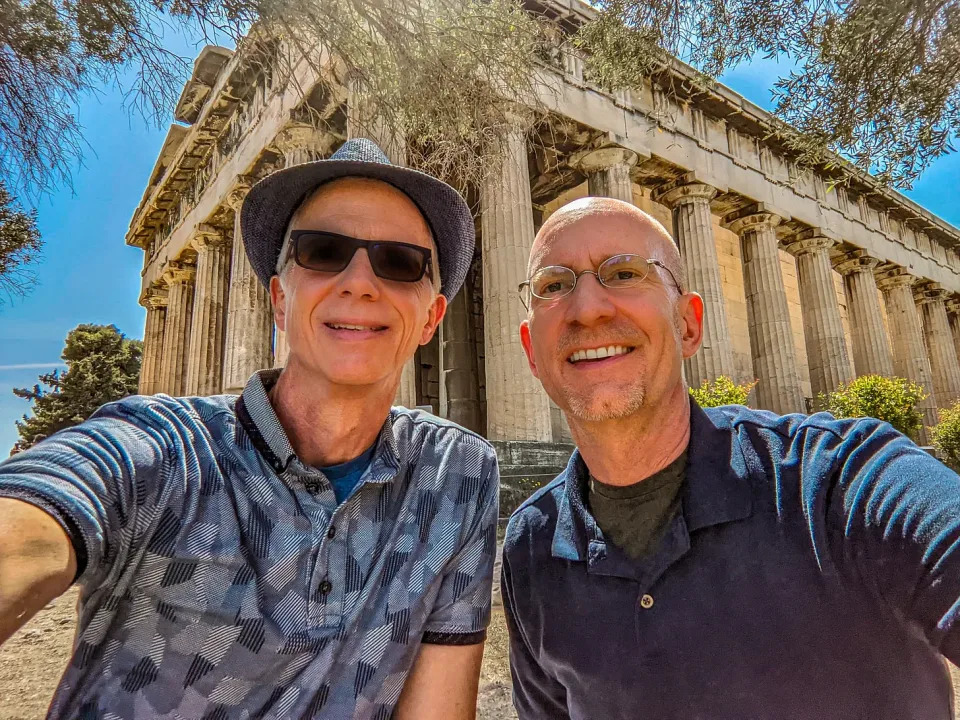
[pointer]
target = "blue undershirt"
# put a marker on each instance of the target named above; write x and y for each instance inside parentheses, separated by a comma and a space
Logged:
(345, 476)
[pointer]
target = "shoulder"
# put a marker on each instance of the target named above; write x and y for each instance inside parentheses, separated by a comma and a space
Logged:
(534, 521)
(438, 437)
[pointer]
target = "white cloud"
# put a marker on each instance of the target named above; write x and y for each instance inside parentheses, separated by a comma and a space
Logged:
(34, 366)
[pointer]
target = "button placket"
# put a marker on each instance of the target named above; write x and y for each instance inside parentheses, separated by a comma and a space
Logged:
(327, 588)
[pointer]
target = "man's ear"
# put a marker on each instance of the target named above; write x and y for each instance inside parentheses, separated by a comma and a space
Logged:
(279, 299)
(690, 311)
(527, 343)
(435, 313)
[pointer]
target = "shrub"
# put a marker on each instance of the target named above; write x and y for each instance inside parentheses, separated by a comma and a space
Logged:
(946, 436)
(722, 391)
(891, 399)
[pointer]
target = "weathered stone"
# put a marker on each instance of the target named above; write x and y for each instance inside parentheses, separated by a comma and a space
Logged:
(517, 407)
(155, 300)
(771, 338)
(608, 172)
(910, 359)
(459, 400)
(205, 355)
(176, 337)
(939, 342)
(871, 345)
(827, 356)
(693, 222)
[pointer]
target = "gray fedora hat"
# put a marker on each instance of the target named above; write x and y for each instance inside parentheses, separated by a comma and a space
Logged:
(270, 204)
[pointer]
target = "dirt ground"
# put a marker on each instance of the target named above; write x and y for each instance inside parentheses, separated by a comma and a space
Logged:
(32, 661)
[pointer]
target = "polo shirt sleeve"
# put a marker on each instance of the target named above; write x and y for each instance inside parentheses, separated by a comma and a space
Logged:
(101, 480)
(461, 612)
(536, 694)
(893, 519)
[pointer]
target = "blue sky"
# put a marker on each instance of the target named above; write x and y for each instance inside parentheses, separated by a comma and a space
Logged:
(88, 274)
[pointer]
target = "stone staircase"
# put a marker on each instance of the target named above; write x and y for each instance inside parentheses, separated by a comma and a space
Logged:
(525, 467)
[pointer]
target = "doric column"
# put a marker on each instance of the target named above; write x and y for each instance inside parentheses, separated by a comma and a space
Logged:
(459, 383)
(693, 222)
(910, 359)
(517, 407)
(771, 340)
(176, 337)
(940, 348)
(827, 355)
(608, 171)
(953, 315)
(205, 356)
(299, 143)
(249, 316)
(155, 301)
(871, 346)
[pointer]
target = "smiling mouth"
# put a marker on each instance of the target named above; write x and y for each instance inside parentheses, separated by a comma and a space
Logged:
(603, 353)
(356, 328)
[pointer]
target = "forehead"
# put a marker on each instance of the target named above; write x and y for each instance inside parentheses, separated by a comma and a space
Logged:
(586, 240)
(364, 208)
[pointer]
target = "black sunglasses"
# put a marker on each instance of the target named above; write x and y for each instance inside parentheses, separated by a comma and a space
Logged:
(330, 252)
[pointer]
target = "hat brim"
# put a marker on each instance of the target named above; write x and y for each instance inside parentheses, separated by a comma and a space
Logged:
(270, 204)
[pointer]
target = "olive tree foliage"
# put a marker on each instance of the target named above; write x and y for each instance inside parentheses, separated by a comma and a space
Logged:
(876, 80)
(447, 72)
(19, 248)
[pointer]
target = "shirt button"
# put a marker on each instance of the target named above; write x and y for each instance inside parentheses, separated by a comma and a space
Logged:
(331, 533)
(325, 587)
(646, 602)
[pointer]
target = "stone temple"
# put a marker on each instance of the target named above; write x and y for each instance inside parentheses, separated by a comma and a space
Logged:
(806, 283)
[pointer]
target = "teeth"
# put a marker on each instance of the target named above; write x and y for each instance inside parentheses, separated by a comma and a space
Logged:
(599, 353)
(339, 326)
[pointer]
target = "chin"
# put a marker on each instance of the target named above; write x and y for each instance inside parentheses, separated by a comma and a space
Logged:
(601, 406)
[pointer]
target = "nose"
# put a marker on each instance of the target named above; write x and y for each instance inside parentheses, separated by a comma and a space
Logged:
(589, 303)
(358, 279)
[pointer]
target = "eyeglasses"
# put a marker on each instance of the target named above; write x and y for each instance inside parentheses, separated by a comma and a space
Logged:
(330, 252)
(617, 273)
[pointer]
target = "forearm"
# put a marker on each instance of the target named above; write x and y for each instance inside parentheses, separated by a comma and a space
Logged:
(37, 563)
(442, 685)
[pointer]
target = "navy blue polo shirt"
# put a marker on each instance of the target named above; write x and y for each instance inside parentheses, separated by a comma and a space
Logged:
(813, 572)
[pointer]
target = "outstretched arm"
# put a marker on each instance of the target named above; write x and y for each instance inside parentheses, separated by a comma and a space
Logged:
(37, 563)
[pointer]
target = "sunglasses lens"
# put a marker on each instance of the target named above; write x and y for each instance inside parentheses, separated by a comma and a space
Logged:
(325, 253)
(393, 261)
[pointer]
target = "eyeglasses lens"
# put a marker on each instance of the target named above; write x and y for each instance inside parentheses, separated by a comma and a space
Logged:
(622, 271)
(324, 252)
(552, 282)
(392, 261)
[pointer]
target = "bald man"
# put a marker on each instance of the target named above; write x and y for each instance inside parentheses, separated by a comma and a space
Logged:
(722, 563)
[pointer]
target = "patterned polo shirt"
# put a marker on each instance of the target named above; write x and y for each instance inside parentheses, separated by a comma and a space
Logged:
(220, 579)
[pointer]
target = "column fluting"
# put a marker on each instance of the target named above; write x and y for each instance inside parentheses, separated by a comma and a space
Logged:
(205, 356)
(953, 315)
(826, 344)
(517, 406)
(910, 359)
(459, 386)
(176, 337)
(939, 342)
(155, 301)
(768, 316)
(249, 333)
(871, 344)
(693, 222)
(608, 172)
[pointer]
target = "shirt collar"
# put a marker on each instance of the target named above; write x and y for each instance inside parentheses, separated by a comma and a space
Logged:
(255, 412)
(716, 490)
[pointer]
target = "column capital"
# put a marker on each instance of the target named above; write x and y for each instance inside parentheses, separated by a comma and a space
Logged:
(684, 189)
(753, 216)
(296, 136)
(237, 194)
(154, 297)
(208, 236)
(929, 293)
(177, 272)
(855, 261)
(595, 160)
(808, 241)
(953, 305)
(896, 277)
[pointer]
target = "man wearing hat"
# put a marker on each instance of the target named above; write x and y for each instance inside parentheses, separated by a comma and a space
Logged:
(302, 550)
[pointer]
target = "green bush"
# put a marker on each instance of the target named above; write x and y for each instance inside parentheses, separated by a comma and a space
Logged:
(946, 436)
(722, 391)
(885, 398)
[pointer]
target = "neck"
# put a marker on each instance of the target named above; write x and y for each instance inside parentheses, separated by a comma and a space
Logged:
(627, 450)
(326, 424)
